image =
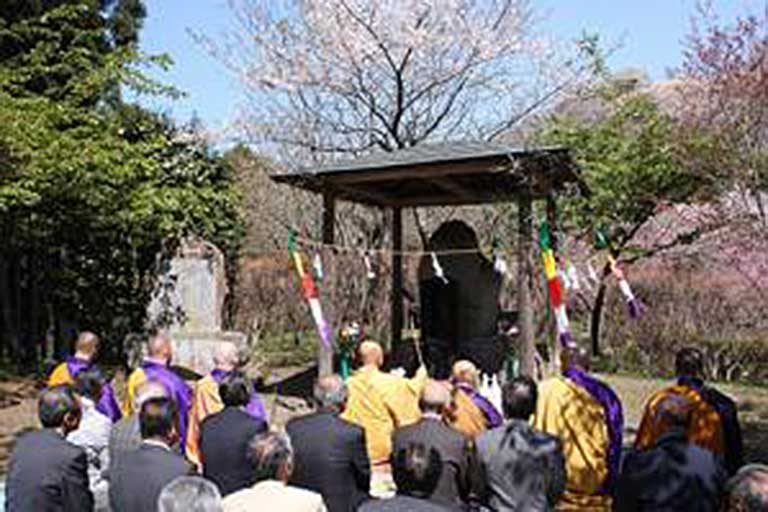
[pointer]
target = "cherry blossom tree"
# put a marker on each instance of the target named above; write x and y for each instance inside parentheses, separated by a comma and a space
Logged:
(342, 77)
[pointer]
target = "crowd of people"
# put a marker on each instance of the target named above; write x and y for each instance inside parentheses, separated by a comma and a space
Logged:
(378, 442)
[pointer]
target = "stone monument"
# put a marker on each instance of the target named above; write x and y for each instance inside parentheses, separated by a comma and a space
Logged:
(188, 300)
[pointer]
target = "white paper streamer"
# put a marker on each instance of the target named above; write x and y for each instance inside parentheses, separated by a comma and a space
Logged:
(438, 269)
(369, 272)
(317, 265)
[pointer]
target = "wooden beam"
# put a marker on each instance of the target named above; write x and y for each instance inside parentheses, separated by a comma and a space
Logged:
(424, 171)
(396, 325)
(325, 355)
(525, 282)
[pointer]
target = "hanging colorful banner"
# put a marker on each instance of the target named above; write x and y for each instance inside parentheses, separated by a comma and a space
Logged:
(310, 292)
(553, 283)
(635, 308)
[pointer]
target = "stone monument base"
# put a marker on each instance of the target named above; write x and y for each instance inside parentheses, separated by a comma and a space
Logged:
(195, 350)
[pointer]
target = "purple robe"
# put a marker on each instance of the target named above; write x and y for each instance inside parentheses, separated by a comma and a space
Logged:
(177, 389)
(492, 416)
(107, 404)
(255, 407)
(613, 414)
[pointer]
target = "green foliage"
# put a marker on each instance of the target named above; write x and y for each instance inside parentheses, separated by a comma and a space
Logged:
(629, 162)
(92, 188)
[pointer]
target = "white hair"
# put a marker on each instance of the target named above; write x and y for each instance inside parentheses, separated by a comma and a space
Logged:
(189, 494)
(226, 354)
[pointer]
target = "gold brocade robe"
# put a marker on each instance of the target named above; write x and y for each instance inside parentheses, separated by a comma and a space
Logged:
(705, 428)
(569, 412)
(205, 401)
(467, 417)
(380, 402)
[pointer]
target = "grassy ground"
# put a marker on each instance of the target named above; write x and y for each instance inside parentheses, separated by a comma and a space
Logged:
(284, 386)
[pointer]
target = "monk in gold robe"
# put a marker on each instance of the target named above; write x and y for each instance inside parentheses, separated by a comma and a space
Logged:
(706, 426)
(381, 402)
(586, 415)
(471, 413)
(206, 399)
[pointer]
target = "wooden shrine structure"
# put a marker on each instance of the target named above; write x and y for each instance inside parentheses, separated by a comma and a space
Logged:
(455, 174)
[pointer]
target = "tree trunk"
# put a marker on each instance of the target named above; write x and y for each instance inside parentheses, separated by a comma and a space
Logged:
(597, 315)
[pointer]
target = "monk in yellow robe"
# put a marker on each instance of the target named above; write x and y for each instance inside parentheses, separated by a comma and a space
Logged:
(587, 417)
(381, 402)
(206, 399)
(705, 428)
(471, 413)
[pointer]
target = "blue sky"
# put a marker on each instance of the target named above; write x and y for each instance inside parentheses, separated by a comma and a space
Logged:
(651, 32)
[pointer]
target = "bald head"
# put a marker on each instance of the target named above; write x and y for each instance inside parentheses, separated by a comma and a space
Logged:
(227, 356)
(436, 397)
(371, 354)
(148, 390)
(160, 347)
(87, 345)
(465, 371)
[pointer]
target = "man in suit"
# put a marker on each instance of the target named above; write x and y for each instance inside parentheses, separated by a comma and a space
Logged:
(224, 436)
(675, 473)
(330, 453)
(271, 456)
(141, 475)
(46, 472)
(417, 471)
(454, 488)
(522, 469)
(125, 435)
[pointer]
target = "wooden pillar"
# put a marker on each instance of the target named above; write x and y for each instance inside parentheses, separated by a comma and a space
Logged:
(324, 355)
(396, 325)
(525, 280)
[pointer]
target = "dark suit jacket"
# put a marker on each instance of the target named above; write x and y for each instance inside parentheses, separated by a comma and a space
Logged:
(124, 437)
(331, 459)
(224, 438)
(459, 464)
(523, 469)
(673, 475)
(406, 504)
(47, 473)
(137, 479)
(729, 419)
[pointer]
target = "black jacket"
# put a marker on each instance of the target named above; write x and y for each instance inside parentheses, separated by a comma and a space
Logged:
(673, 475)
(330, 459)
(137, 479)
(459, 476)
(47, 473)
(224, 439)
